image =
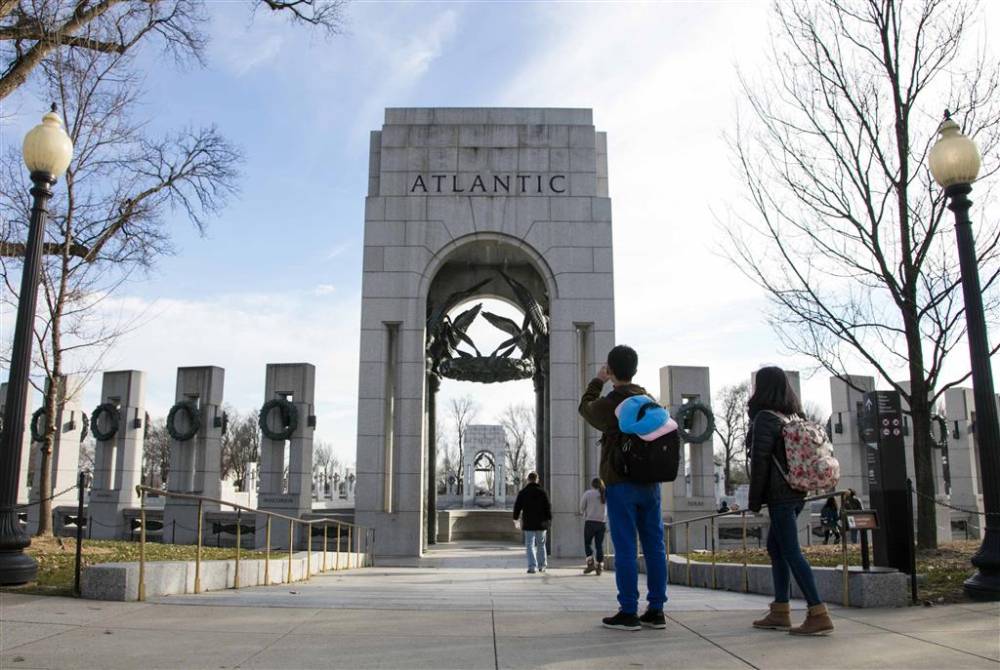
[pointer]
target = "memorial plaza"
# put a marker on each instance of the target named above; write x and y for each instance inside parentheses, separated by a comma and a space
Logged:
(388, 417)
(471, 606)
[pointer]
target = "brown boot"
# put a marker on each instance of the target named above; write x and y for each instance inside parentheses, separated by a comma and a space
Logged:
(817, 622)
(779, 617)
(590, 566)
(599, 567)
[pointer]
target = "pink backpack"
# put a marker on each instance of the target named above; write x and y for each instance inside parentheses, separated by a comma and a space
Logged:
(811, 463)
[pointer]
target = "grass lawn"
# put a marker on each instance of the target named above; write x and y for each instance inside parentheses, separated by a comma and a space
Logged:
(941, 571)
(56, 558)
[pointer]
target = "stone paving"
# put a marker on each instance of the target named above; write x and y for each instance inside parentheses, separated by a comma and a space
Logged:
(470, 606)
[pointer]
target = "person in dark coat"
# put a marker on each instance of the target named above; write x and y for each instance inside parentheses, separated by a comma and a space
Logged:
(532, 508)
(773, 402)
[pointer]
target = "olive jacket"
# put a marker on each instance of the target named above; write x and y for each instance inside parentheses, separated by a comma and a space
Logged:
(600, 413)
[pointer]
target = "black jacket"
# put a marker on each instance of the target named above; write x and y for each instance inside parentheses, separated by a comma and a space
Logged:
(533, 501)
(767, 484)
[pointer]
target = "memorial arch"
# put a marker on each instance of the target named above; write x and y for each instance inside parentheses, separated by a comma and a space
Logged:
(464, 203)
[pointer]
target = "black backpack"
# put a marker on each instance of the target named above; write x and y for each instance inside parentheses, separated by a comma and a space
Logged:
(644, 462)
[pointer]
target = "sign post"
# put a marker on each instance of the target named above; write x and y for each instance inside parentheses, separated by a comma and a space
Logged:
(880, 421)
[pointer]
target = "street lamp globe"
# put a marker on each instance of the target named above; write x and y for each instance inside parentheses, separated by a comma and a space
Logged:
(47, 148)
(954, 158)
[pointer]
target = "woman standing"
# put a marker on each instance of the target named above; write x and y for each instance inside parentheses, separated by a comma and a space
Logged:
(594, 510)
(772, 401)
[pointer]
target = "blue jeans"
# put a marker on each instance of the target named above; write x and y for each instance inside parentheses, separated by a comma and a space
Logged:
(534, 546)
(635, 508)
(786, 556)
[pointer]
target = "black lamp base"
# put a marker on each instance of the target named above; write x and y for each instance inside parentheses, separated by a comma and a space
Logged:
(17, 568)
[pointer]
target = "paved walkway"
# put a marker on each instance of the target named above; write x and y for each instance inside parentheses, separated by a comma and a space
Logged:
(470, 606)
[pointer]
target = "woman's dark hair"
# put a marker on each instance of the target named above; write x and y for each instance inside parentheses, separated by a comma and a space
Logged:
(831, 502)
(598, 484)
(773, 392)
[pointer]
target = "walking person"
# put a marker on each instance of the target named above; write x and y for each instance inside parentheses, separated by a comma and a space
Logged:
(593, 506)
(532, 508)
(773, 400)
(633, 508)
(830, 519)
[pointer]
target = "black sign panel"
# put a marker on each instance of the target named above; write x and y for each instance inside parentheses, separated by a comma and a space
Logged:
(880, 421)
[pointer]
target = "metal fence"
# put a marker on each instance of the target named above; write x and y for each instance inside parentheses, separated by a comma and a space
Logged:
(686, 523)
(360, 540)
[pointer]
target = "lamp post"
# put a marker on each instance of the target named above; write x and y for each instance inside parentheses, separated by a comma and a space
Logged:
(954, 162)
(47, 152)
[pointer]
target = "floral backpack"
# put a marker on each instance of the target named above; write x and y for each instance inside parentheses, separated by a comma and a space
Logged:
(811, 463)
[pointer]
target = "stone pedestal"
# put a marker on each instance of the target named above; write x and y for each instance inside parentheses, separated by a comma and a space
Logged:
(65, 461)
(22, 479)
(963, 461)
(693, 492)
(294, 382)
(118, 461)
(195, 463)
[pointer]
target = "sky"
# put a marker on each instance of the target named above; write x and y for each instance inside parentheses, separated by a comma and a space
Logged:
(277, 276)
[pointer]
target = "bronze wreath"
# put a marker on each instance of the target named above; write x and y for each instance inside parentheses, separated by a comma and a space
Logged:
(114, 418)
(289, 419)
(689, 410)
(193, 417)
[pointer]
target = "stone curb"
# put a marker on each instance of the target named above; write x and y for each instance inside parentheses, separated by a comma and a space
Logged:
(871, 589)
(120, 581)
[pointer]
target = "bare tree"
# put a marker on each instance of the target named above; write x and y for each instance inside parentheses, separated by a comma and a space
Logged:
(322, 455)
(731, 422)
(107, 221)
(240, 446)
(463, 412)
(156, 454)
(518, 422)
(36, 32)
(846, 231)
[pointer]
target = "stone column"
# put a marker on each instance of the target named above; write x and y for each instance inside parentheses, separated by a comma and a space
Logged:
(469, 482)
(941, 513)
(679, 385)
(65, 460)
(846, 394)
(295, 382)
(22, 479)
(433, 385)
(963, 459)
(118, 460)
(194, 463)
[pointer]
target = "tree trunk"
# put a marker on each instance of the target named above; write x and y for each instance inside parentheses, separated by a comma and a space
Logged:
(727, 472)
(923, 468)
(45, 462)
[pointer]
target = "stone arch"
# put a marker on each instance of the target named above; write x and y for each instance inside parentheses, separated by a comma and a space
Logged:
(454, 193)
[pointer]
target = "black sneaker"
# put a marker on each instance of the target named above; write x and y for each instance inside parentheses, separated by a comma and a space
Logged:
(622, 621)
(531, 571)
(653, 619)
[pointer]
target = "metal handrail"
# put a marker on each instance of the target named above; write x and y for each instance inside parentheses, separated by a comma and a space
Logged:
(356, 541)
(743, 514)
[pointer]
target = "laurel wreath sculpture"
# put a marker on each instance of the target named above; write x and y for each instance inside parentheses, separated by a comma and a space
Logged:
(289, 419)
(689, 411)
(193, 415)
(444, 335)
(114, 419)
